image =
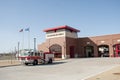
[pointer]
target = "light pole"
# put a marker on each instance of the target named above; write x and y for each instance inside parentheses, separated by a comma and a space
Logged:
(18, 51)
(34, 44)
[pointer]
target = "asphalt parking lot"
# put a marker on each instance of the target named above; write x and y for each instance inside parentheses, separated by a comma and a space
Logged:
(69, 69)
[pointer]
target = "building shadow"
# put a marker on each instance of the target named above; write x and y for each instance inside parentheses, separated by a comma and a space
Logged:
(46, 64)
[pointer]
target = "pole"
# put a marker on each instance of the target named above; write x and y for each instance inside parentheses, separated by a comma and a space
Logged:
(29, 39)
(11, 56)
(18, 50)
(34, 44)
(23, 42)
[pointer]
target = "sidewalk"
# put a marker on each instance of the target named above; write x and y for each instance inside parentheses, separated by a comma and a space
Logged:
(113, 74)
(6, 63)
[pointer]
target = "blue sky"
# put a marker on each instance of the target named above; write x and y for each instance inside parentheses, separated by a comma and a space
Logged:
(91, 17)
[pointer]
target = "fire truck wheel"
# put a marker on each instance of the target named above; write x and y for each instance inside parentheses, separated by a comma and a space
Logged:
(26, 63)
(35, 62)
(50, 61)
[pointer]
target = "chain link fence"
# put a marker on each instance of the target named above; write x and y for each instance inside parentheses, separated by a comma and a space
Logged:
(8, 59)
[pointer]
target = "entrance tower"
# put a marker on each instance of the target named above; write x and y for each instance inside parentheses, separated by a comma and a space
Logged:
(62, 41)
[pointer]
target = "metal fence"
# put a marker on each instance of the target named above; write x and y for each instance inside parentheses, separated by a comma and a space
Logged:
(8, 59)
(8, 56)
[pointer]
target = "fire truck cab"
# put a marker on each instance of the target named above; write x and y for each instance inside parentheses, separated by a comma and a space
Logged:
(34, 57)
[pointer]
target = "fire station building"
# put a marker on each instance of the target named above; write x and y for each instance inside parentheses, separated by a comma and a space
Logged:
(64, 42)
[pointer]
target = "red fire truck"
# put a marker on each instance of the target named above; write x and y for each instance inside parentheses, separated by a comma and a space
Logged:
(34, 57)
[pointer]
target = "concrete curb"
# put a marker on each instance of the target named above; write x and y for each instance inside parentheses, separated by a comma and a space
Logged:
(9, 65)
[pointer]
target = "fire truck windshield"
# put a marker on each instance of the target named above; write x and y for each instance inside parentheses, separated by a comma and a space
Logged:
(25, 53)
